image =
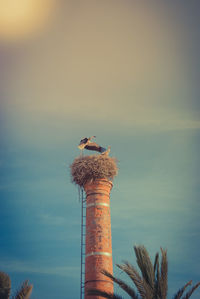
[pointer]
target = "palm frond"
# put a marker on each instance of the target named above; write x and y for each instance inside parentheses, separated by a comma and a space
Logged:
(189, 293)
(135, 277)
(157, 292)
(5, 285)
(103, 294)
(181, 291)
(25, 291)
(145, 265)
(156, 261)
(164, 274)
(130, 291)
(152, 283)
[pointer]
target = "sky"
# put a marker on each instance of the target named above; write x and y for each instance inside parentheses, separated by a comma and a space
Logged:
(127, 72)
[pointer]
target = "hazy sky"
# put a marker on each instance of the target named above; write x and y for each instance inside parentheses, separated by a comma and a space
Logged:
(125, 71)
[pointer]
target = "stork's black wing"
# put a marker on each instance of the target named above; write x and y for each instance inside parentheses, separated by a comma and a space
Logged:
(95, 147)
(91, 147)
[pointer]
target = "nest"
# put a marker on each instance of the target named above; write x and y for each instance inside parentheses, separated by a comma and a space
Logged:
(89, 168)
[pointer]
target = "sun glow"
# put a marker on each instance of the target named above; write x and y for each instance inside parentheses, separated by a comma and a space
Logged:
(21, 18)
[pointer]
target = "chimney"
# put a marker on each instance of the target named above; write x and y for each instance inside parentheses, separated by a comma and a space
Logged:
(98, 252)
(95, 174)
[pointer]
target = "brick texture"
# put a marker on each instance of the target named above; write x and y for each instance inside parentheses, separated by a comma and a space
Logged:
(98, 236)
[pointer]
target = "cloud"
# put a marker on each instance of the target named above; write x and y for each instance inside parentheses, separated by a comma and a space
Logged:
(20, 266)
(52, 220)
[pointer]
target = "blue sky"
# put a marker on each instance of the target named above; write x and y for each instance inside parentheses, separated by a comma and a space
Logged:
(127, 72)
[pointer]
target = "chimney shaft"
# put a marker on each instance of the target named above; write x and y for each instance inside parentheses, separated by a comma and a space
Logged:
(98, 236)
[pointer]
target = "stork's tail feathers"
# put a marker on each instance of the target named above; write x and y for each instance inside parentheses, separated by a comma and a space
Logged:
(106, 152)
(102, 149)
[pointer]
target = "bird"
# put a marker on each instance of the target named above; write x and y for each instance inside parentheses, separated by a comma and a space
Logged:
(92, 146)
(84, 142)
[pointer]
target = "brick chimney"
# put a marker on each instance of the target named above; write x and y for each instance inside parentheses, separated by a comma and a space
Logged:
(98, 253)
(95, 173)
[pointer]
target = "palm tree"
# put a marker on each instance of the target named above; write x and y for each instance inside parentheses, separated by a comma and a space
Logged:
(24, 291)
(5, 285)
(152, 283)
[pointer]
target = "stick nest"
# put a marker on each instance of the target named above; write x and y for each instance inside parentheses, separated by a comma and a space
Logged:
(89, 168)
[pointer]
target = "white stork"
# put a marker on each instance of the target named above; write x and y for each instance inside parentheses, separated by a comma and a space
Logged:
(92, 146)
